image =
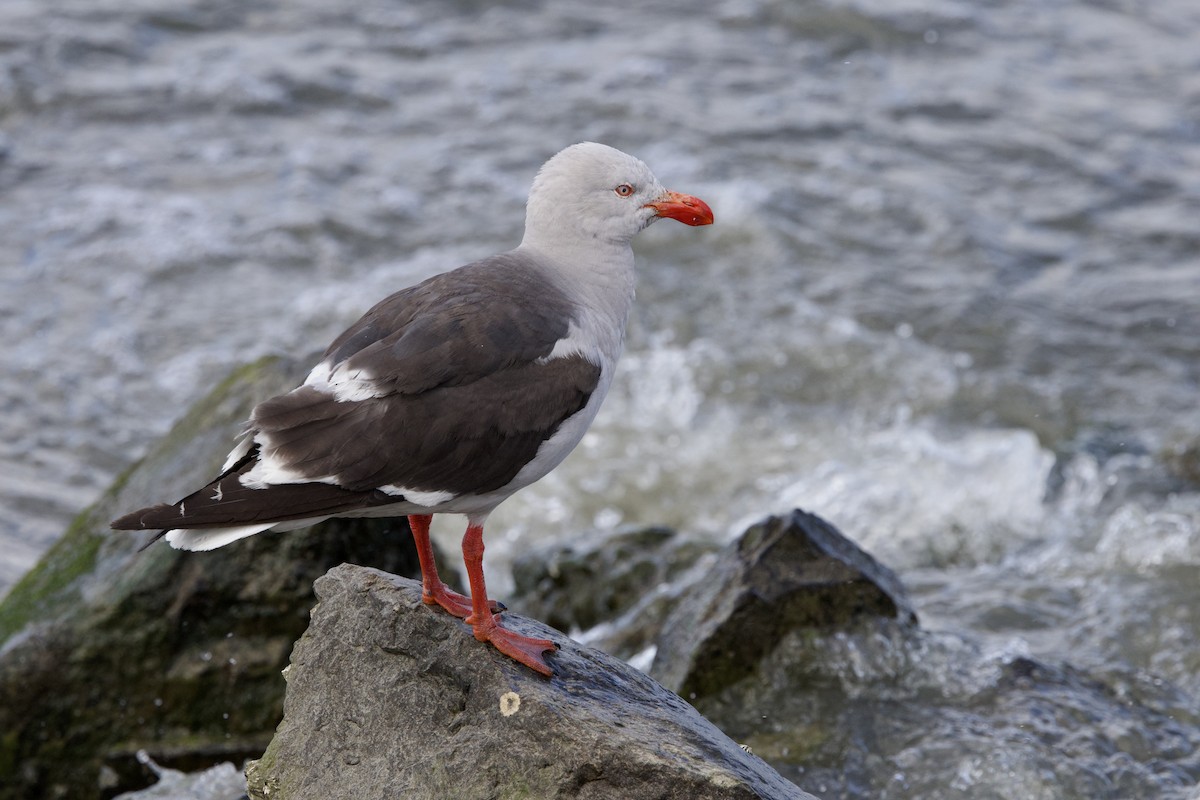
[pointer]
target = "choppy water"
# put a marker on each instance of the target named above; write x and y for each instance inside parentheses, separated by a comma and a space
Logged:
(951, 303)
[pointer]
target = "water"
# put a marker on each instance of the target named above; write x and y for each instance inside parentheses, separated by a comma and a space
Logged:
(951, 301)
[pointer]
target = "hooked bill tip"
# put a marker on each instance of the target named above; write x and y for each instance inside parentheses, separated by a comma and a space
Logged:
(683, 207)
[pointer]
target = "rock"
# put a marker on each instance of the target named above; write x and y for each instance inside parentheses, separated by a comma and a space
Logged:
(387, 697)
(107, 651)
(783, 574)
(625, 583)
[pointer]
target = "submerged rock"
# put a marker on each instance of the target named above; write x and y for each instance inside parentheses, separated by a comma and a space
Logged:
(106, 651)
(387, 697)
(784, 574)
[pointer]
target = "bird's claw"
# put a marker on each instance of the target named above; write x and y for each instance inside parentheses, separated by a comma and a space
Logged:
(524, 649)
(456, 604)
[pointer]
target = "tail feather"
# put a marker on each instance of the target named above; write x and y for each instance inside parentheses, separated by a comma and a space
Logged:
(211, 538)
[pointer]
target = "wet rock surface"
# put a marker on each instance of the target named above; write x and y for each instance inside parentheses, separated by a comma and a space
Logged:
(107, 650)
(387, 697)
(783, 574)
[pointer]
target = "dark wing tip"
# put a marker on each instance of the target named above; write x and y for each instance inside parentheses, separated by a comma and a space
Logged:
(136, 521)
(143, 518)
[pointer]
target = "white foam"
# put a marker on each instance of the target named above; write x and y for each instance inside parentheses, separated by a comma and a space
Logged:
(915, 496)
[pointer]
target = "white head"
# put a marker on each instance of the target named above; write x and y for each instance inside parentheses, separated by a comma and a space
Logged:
(592, 192)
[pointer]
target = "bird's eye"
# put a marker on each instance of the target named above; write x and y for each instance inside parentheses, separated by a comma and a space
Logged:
(624, 190)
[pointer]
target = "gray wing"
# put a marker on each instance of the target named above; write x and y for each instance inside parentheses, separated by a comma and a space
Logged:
(449, 386)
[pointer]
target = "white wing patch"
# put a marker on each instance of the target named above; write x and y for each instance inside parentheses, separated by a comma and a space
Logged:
(574, 343)
(270, 471)
(345, 384)
(240, 450)
(426, 499)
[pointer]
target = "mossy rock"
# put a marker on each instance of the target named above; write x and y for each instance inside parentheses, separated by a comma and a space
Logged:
(107, 650)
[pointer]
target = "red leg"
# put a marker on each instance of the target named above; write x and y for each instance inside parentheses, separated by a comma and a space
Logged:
(433, 591)
(524, 649)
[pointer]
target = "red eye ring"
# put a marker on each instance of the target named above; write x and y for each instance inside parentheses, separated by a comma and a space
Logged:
(624, 190)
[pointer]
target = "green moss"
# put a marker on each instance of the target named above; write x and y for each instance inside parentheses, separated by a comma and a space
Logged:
(262, 782)
(48, 586)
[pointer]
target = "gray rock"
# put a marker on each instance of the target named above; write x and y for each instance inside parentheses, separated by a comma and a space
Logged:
(105, 650)
(783, 574)
(389, 698)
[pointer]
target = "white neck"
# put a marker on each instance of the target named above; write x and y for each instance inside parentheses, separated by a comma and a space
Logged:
(599, 278)
(594, 272)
